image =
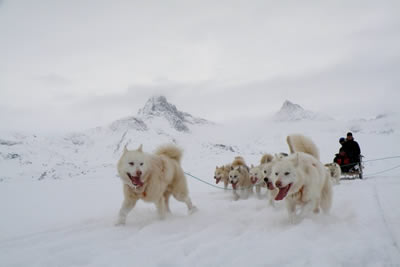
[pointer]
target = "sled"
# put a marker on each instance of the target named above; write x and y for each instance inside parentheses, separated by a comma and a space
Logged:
(355, 172)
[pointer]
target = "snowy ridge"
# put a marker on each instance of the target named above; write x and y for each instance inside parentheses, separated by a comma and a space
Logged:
(158, 106)
(294, 112)
(129, 123)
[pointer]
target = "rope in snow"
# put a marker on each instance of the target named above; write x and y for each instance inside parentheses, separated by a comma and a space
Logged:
(393, 157)
(387, 170)
(210, 184)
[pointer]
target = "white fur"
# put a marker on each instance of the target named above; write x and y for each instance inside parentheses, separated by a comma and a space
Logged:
(266, 171)
(256, 179)
(334, 172)
(156, 177)
(301, 143)
(239, 178)
(310, 186)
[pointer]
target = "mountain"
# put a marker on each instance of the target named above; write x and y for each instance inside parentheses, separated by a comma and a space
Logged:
(294, 112)
(129, 123)
(159, 107)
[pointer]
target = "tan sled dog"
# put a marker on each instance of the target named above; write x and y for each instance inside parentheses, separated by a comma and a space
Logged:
(152, 178)
(222, 174)
(239, 178)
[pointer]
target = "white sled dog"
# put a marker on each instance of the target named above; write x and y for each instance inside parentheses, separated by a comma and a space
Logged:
(302, 181)
(301, 143)
(239, 178)
(152, 178)
(334, 172)
(255, 175)
(222, 174)
(267, 161)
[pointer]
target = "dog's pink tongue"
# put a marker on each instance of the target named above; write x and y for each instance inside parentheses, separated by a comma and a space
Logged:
(270, 186)
(137, 181)
(234, 186)
(282, 192)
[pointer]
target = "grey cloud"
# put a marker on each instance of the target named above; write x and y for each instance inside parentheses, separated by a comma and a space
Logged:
(53, 79)
(218, 60)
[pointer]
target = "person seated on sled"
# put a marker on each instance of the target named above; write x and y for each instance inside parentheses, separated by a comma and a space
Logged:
(342, 160)
(352, 149)
(342, 140)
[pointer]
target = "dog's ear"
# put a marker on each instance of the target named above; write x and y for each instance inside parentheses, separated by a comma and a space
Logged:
(126, 148)
(239, 168)
(216, 167)
(140, 148)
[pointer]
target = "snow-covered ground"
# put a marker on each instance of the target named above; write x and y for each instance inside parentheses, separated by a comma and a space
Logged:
(59, 197)
(70, 223)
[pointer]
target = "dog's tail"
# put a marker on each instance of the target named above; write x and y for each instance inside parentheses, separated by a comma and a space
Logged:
(301, 143)
(170, 151)
(326, 194)
(266, 158)
(238, 161)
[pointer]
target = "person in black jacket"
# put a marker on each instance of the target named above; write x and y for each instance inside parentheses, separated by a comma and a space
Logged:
(352, 148)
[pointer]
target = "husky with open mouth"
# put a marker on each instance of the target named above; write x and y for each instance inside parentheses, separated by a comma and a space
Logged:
(303, 182)
(221, 174)
(152, 178)
(240, 180)
(255, 175)
(266, 171)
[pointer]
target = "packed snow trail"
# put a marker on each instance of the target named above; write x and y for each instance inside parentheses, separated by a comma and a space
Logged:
(71, 223)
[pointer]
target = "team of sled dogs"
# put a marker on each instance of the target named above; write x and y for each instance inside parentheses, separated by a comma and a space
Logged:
(299, 178)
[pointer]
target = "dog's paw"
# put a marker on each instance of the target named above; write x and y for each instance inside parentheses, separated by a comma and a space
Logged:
(193, 210)
(295, 219)
(120, 222)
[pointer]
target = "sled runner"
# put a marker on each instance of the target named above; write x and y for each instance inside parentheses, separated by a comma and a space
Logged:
(352, 170)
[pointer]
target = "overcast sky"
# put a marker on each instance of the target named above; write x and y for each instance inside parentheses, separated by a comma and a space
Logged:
(79, 64)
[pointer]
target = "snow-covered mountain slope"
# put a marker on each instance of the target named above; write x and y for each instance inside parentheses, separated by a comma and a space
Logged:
(159, 107)
(294, 112)
(59, 196)
(29, 156)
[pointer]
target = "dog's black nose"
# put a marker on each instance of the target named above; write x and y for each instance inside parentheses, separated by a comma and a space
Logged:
(215, 177)
(266, 180)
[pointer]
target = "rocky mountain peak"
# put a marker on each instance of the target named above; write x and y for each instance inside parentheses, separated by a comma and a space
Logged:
(158, 106)
(294, 112)
(290, 107)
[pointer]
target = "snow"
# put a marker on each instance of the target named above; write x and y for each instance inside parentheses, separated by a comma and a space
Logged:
(70, 223)
(67, 217)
